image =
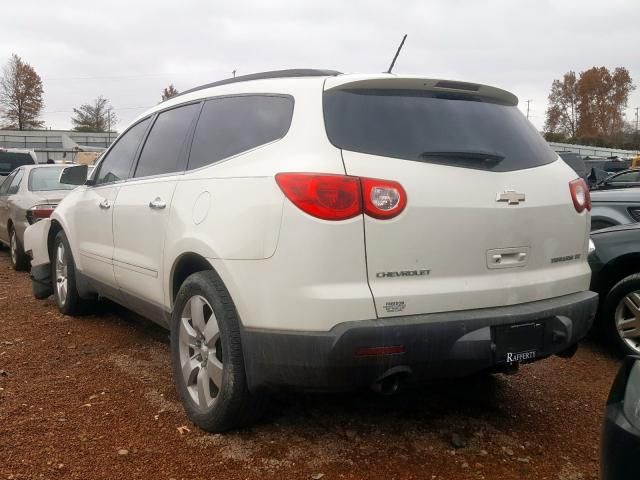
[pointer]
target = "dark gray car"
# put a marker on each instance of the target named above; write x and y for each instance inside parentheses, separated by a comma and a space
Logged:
(615, 207)
(27, 195)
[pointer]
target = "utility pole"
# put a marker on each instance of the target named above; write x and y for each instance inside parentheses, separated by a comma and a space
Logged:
(234, 74)
(637, 121)
(528, 102)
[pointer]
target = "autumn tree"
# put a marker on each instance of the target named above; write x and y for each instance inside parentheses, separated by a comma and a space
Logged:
(94, 117)
(589, 106)
(562, 114)
(603, 98)
(169, 92)
(21, 95)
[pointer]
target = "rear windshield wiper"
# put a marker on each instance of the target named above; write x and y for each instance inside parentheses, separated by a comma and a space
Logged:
(492, 157)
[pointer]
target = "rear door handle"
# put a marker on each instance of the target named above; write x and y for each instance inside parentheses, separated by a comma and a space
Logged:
(157, 204)
(104, 204)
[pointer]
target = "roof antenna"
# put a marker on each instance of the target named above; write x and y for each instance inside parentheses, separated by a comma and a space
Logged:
(393, 62)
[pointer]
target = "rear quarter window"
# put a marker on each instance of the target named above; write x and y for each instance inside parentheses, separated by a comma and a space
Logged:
(231, 125)
(452, 129)
(12, 160)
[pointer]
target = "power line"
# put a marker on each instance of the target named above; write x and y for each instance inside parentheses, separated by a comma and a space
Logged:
(121, 108)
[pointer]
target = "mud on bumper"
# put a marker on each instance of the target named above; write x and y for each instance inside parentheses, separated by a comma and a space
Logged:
(432, 346)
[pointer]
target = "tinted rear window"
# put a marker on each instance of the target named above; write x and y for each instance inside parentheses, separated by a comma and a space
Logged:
(12, 160)
(42, 179)
(458, 130)
(232, 125)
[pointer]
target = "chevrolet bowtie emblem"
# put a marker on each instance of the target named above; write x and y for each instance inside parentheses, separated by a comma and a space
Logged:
(511, 197)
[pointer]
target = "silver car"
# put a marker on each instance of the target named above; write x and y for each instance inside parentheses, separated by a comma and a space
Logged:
(28, 194)
(614, 207)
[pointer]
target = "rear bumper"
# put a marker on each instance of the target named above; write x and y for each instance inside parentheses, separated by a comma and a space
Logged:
(435, 345)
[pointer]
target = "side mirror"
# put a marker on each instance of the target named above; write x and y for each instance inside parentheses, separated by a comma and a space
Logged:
(76, 175)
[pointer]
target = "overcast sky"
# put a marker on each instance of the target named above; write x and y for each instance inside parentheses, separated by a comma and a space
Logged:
(129, 50)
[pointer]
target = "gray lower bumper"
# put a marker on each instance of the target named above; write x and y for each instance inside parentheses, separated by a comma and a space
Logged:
(434, 345)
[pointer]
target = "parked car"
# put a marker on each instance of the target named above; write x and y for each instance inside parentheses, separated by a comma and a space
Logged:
(615, 207)
(620, 442)
(624, 179)
(241, 224)
(575, 161)
(12, 158)
(615, 263)
(27, 195)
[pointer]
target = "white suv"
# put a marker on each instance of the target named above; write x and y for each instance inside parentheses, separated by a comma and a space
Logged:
(320, 231)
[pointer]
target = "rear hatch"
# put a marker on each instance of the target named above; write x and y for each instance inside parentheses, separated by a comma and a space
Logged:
(489, 219)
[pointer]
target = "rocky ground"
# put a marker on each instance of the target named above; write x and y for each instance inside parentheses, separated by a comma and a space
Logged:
(93, 397)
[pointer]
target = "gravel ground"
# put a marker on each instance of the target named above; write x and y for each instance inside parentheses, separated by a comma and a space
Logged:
(93, 398)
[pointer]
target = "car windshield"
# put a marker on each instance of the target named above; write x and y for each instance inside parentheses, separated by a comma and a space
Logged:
(47, 178)
(12, 160)
(457, 130)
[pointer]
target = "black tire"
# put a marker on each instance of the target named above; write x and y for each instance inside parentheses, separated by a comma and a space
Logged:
(72, 304)
(233, 405)
(19, 259)
(612, 304)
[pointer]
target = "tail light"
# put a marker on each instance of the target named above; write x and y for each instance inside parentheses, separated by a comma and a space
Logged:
(383, 198)
(580, 195)
(38, 212)
(329, 197)
(339, 197)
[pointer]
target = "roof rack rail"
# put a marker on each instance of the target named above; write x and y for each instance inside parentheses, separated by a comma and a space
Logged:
(298, 72)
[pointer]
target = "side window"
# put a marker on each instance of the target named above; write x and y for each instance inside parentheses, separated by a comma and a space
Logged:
(231, 125)
(166, 141)
(117, 164)
(4, 188)
(15, 184)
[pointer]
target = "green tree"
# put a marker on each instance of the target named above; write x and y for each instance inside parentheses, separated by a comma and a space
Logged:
(94, 117)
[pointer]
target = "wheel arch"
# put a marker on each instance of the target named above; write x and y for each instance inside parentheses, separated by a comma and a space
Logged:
(186, 264)
(617, 269)
(51, 236)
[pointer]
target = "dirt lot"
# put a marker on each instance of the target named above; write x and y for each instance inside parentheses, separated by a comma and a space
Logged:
(93, 398)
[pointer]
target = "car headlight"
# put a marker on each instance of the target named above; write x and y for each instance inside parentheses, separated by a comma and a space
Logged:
(592, 246)
(631, 405)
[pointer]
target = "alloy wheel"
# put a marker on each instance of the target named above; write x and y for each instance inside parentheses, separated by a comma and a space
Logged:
(62, 281)
(200, 352)
(627, 318)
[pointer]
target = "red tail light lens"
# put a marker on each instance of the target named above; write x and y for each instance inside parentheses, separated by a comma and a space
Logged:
(339, 197)
(382, 199)
(39, 212)
(329, 197)
(580, 195)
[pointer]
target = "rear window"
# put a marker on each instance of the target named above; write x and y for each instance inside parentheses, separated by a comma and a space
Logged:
(457, 130)
(42, 179)
(12, 160)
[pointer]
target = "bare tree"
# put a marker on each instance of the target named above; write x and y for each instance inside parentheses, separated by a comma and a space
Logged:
(169, 92)
(562, 114)
(21, 95)
(94, 117)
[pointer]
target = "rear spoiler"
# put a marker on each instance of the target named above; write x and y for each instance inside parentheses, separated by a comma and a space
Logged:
(390, 81)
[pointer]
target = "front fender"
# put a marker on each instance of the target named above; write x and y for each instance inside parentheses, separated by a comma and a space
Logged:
(35, 242)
